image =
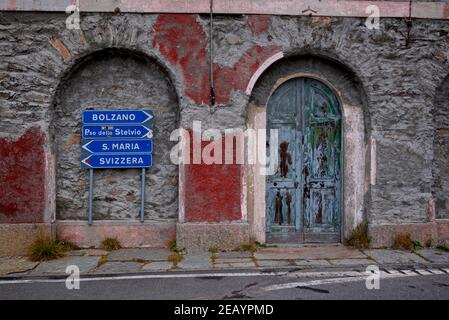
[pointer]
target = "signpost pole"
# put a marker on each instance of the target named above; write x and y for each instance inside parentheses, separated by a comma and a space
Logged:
(142, 202)
(91, 186)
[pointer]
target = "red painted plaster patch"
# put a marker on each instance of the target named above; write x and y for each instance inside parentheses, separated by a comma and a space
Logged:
(212, 192)
(258, 24)
(446, 10)
(182, 40)
(22, 178)
(237, 78)
(13, 5)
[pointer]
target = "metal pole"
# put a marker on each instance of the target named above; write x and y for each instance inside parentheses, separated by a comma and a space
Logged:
(91, 191)
(142, 200)
(211, 58)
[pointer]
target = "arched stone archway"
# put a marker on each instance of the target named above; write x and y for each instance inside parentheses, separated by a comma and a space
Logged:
(115, 79)
(358, 164)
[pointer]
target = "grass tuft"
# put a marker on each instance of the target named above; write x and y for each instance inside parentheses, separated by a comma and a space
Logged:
(417, 245)
(429, 243)
(110, 244)
(102, 261)
(174, 247)
(45, 248)
(175, 258)
(249, 247)
(359, 237)
(405, 241)
(213, 250)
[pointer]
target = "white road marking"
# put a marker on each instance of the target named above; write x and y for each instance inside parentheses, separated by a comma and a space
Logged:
(436, 271)
(388, 273)
(302, 274)
(423, 272)
(335, 277)
(150, 276)
(409, 272)
(291, 285)
(332, 281)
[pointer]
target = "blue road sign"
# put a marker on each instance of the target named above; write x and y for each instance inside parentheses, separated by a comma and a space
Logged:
(116, 116)
(118, 146)
(111, 161)
(116, 131)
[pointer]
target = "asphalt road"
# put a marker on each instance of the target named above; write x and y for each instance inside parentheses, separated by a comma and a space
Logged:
(342, 284)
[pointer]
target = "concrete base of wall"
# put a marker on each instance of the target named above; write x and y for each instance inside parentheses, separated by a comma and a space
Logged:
(199, 237)
(384, 235)
(130, 234)
(15, 239)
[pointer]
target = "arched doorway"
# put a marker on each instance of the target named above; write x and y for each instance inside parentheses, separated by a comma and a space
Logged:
(303, 196)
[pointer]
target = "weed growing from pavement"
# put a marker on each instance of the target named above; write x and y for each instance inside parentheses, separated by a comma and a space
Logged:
(102, 260)
(248, 247)
(46, 248)
(174, 247)
(175, 258)
(213, 250)
(359, 237)
(405, 241)
(110, 244)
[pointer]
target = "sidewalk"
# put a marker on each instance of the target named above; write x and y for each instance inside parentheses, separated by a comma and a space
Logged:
(98, 262)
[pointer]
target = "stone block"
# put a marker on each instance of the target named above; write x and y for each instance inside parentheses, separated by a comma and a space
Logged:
(384, 256)
(130, 233)
(434, 255)
(15, 265)
(199, 237)
(196, 262)
(143, 254)
(85, 265)
(308, 252)
(158, 266)
(119, 267)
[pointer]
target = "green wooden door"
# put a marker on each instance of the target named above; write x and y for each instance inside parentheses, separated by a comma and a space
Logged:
(304, 194)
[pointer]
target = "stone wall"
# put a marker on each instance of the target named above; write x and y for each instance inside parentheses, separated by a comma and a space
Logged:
(400, 77)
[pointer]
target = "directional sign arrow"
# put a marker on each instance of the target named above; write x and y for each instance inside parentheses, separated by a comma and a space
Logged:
(118, 146)
(110, 161)
(116, 116)
(106, 131)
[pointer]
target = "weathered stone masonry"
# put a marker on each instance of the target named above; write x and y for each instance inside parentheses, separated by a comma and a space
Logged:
(49, 73)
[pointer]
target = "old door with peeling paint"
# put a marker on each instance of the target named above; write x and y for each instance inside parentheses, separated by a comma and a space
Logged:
(304, 194)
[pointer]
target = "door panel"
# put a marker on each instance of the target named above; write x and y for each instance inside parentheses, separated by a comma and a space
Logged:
(282, 195)
(321, 162)
(303, 196)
